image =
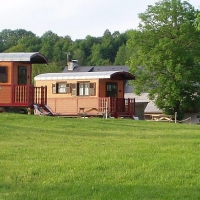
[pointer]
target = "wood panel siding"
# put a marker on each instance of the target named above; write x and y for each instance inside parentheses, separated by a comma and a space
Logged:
(5, 94)
(78, 105)
(9, 71)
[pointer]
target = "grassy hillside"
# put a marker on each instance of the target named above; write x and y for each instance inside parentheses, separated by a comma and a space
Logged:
(98, 159)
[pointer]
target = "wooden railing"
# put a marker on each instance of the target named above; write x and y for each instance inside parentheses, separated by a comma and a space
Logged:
(27, 95)
(121, 106)
(40, 95)
(104, 103)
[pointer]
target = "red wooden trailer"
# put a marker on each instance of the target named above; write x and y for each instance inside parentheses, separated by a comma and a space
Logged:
(16, 89)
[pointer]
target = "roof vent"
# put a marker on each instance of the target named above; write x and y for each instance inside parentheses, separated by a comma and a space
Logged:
(72, 64)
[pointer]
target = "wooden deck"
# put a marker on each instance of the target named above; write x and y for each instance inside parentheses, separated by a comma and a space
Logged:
(22, 95)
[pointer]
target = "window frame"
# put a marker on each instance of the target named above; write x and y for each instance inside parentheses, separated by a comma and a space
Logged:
(61, 88)
(89, 88)
(85, 89)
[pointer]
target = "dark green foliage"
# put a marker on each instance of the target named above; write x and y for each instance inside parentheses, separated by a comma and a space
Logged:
(40, 69)
(9, 38)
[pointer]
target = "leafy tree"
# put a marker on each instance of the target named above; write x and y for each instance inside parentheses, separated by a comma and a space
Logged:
(50, 68)
(60, 50)
(26, 44)
(123, 55)
(96, 57)
(9, 38)
(85, 46)
(167, 61)
(107, 47)
(49, 39)
(124, 51)
(197, 22)
(80, 56)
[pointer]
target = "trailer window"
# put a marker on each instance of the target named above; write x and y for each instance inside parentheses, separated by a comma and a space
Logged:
(83, 89)
(22, 75)
(3, 74)
(86, 89)
(61, 88)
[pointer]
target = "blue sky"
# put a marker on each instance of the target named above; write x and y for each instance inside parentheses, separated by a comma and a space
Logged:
(75, 18)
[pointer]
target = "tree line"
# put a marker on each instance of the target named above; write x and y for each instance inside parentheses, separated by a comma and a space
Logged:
(110, 49)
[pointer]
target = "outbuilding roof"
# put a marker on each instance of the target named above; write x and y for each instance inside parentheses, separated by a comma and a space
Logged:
(86, 75)
(150, 108)
(32, 57)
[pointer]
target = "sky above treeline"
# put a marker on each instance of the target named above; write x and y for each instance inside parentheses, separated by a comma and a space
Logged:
(76, 18)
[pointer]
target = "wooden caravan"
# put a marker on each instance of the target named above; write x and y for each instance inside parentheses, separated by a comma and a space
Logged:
(15, 80)
(88, 93)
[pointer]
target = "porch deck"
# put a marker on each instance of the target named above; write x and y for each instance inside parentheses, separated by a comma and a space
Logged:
(22, 95)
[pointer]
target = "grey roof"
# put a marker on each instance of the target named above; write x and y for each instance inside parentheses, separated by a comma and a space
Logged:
(84, 75)
(150, 108)
(110, 68)
(32, 57)
(96, 69)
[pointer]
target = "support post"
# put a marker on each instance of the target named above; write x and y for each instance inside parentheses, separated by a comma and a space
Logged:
(175, 116)
(106, 109)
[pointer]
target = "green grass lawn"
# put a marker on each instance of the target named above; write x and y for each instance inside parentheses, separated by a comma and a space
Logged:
(64, 158)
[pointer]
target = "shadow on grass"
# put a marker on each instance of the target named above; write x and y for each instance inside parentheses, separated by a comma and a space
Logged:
(99, 191)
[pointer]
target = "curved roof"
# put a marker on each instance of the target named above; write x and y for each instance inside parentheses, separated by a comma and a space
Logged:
(86, 75)
(32, 57)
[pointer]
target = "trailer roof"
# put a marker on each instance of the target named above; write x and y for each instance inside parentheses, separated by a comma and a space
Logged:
(85, 75)
(32, 57)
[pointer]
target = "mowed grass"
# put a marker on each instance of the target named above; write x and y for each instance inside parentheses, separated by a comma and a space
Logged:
(64, 158)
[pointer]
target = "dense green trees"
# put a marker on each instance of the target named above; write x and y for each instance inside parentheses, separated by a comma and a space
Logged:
(167, 57)
(89, 51)
(9, 38)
